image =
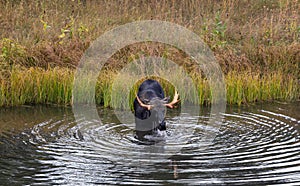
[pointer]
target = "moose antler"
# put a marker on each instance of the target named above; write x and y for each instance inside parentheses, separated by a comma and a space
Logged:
(142, 104)
(174, 101)
(170, 105)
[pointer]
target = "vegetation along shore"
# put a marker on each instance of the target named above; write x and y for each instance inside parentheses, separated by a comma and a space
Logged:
(256, 44)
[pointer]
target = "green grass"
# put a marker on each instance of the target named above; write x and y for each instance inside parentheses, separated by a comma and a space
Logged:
(249, 87)
(54, 86)
(36, 86)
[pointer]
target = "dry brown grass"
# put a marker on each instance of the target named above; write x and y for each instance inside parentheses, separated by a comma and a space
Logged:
(58, 32)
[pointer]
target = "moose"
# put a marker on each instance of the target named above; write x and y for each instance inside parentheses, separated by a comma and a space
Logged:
(150, 109)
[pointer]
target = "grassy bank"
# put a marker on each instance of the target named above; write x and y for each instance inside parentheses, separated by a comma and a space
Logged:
(54, 86)
(256, 44)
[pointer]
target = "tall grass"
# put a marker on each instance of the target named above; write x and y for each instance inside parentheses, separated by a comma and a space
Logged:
(36, 85)
(54, 86)
(249, 87)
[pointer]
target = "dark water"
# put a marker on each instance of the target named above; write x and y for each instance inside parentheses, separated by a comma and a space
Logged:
(255, 145)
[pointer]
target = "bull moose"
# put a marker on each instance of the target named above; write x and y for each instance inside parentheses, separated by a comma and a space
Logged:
(150, 109)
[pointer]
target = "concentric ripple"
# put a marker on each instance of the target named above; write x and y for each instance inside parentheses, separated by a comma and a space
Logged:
(257, 145)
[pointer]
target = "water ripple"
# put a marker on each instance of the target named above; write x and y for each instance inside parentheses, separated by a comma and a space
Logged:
(260, 146)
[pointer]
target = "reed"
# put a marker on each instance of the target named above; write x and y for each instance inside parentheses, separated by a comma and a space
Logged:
(249, 87)
(37, 86)
(54, 86)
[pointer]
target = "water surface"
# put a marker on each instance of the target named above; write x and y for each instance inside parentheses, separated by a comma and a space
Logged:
(255, 145)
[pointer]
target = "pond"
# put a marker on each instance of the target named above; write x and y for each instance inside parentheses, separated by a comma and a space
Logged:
(255, 145)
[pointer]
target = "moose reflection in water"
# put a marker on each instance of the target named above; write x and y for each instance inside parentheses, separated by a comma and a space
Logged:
(150, 110)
